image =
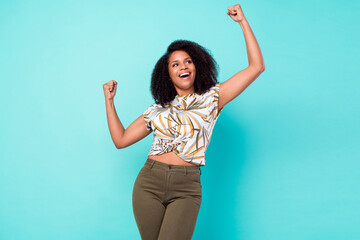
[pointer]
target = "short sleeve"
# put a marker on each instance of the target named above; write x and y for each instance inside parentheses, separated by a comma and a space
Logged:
(214, 100)
(148, 116)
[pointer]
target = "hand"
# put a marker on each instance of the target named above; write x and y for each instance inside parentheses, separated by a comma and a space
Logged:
(236, 13)
(110, 89)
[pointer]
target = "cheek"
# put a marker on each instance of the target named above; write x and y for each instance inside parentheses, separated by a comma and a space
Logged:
(172, 73)
(194, 68)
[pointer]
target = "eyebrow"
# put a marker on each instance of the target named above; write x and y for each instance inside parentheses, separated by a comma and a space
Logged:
(178, 60)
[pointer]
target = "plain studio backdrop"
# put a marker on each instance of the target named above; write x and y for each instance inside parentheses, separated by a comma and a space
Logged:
(283, 161)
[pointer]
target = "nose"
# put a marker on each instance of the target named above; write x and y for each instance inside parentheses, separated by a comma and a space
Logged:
(183, 66)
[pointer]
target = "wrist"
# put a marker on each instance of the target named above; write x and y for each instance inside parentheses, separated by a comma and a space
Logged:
(109, 101)
(242, 20)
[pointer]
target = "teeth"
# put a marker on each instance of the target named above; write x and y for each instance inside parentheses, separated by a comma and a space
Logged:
(184, 74)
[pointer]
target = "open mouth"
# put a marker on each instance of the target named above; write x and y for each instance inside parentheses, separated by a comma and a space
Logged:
(185, 75)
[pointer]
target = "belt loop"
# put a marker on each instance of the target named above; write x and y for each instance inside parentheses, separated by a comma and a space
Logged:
(185, 170)
(152, 163)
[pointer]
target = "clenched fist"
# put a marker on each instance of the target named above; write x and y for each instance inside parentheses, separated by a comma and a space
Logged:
(110, 89)
(236, 13)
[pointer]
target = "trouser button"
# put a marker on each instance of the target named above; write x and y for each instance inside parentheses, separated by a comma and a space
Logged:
(169, 167)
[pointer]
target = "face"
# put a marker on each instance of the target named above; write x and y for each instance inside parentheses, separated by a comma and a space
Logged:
(182, 72)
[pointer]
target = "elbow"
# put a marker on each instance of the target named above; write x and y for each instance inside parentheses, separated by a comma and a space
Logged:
(261, 68)
(118, 145)
(258, 68)
(122, 145)
(119, 142)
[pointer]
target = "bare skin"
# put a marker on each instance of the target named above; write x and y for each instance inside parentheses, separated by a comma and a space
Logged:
(170, 158)
(179, 63)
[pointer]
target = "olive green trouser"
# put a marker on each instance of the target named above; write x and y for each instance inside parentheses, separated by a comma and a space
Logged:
(166, 200)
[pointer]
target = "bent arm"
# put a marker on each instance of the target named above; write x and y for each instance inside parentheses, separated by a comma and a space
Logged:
(123, 138)
(255, 57)
(235, 85)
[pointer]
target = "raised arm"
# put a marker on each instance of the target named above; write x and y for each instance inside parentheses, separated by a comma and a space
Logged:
(122, 138)
(235, 85)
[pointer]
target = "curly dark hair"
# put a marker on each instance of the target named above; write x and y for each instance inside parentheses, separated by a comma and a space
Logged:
(162, 88)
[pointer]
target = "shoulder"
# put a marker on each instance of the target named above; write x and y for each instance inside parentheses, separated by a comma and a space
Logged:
(214, 88)
(153, 108)
(213, 91)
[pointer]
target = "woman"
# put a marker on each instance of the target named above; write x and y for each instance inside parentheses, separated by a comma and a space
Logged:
(167, 191)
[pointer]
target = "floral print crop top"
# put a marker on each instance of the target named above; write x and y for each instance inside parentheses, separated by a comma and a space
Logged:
(185, 125)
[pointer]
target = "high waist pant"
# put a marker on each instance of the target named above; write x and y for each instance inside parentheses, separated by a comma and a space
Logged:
(166, 200)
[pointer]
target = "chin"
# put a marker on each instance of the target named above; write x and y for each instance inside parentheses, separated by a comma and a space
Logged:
(187, 84)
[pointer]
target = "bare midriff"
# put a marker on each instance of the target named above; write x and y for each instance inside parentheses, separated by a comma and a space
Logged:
(170, 158)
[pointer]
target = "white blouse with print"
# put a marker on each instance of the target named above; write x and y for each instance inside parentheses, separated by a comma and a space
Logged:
(185, 125)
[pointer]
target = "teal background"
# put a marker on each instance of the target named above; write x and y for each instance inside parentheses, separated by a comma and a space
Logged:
(283, 162)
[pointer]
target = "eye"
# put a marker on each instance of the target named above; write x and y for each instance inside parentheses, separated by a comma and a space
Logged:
(174, 64)
(189, 61)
